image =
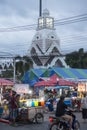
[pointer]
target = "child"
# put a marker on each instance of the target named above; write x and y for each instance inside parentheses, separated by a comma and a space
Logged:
(5, 107)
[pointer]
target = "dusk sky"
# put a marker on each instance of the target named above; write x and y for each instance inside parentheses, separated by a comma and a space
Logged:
(21, 13)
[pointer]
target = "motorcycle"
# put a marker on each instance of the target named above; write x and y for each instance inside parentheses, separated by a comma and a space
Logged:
(58, 123)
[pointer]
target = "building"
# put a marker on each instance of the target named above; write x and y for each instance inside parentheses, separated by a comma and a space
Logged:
(45, 48)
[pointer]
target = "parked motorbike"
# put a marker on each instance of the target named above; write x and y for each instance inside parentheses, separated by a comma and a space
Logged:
(57, 123)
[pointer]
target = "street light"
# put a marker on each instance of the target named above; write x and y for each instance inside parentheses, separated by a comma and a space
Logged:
(14, 70)
(57, 81)
(14, 67)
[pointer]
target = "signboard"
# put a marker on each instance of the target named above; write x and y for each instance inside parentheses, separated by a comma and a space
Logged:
(21, 88)
(81, 87)
(41, 93)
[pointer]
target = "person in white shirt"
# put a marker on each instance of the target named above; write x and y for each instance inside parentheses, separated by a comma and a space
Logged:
(84, 107)
(1, 97)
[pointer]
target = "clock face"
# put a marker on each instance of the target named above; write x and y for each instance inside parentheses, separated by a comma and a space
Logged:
(41, 22)
(45, 22)
(49, 22)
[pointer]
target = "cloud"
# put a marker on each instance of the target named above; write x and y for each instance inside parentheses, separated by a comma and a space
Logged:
(25, 12)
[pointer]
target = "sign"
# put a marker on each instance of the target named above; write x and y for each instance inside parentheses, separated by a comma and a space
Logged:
(41, 93)
(81, 87)
(21, 88)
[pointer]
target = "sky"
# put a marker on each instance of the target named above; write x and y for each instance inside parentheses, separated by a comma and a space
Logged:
(16, 17)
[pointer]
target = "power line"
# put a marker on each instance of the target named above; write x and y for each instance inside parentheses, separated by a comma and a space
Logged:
(69, 20)
(64, 21)
(63, 40)
(72, 18)
(76, 43)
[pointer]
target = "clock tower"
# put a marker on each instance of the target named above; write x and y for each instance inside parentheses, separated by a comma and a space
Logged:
(45, 48)
(45, 21)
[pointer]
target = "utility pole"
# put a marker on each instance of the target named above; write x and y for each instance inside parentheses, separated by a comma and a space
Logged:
(40, 8)
(14, 73)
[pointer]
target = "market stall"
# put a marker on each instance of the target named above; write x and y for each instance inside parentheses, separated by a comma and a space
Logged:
(31, 109)
(5, 85)
(31, 114)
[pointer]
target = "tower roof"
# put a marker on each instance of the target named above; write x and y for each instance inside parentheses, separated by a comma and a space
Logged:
(45, 13)
(45, 21)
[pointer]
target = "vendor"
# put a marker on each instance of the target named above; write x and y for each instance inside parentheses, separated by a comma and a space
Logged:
(18, 100)
(50, 106)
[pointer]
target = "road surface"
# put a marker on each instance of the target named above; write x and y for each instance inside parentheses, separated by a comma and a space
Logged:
(43, 126)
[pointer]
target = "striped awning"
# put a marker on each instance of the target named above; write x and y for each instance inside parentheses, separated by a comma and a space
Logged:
(34, 75)
(70, 72)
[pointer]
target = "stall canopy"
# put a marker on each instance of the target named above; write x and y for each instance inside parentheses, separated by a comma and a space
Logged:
(32, 76)
(4, 82)
(54, 81)
(70, 72)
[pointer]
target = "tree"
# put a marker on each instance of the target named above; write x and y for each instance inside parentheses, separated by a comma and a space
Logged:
(77, 59)
(23, 64)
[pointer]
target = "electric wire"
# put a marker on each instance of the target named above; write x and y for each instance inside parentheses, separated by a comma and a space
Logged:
(69, 20)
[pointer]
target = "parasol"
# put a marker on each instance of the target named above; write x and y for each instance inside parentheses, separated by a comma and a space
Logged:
(5, 82)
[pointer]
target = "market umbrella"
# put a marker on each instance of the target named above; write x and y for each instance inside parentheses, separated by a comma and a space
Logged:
(64, 82)
(44, 83)
(5, 82)
(60, 81)
(54, 81)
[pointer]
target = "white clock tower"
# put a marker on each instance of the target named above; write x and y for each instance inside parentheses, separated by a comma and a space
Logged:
(45, 21)
(45, 48)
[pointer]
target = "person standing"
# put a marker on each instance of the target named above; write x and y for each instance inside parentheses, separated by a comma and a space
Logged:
(50, 106)
(13, 109)
(84, 106)
(5, 107)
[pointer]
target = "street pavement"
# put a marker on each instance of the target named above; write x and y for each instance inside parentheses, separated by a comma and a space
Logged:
(43, 126)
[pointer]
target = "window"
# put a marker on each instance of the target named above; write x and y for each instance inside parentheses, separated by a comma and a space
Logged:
(49, 22)
(41, 22)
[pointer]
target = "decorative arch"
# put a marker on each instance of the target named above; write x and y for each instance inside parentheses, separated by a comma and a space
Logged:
(33, 51)
(55, 51)
(59, 63)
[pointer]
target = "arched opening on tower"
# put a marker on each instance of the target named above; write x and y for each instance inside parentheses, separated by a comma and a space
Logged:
(55, 51)
(5, 67)
(0, 67)
(10, 66)
(49, 60)
(58, 63)
(33, 52)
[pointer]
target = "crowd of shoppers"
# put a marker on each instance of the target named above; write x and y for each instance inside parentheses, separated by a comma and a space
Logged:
(10, 107)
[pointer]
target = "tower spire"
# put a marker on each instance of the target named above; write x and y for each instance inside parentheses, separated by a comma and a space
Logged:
(40, 8)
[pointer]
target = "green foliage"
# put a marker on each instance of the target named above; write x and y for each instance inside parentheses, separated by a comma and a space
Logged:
(77, 59)
(7, 74)
(22, 64)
